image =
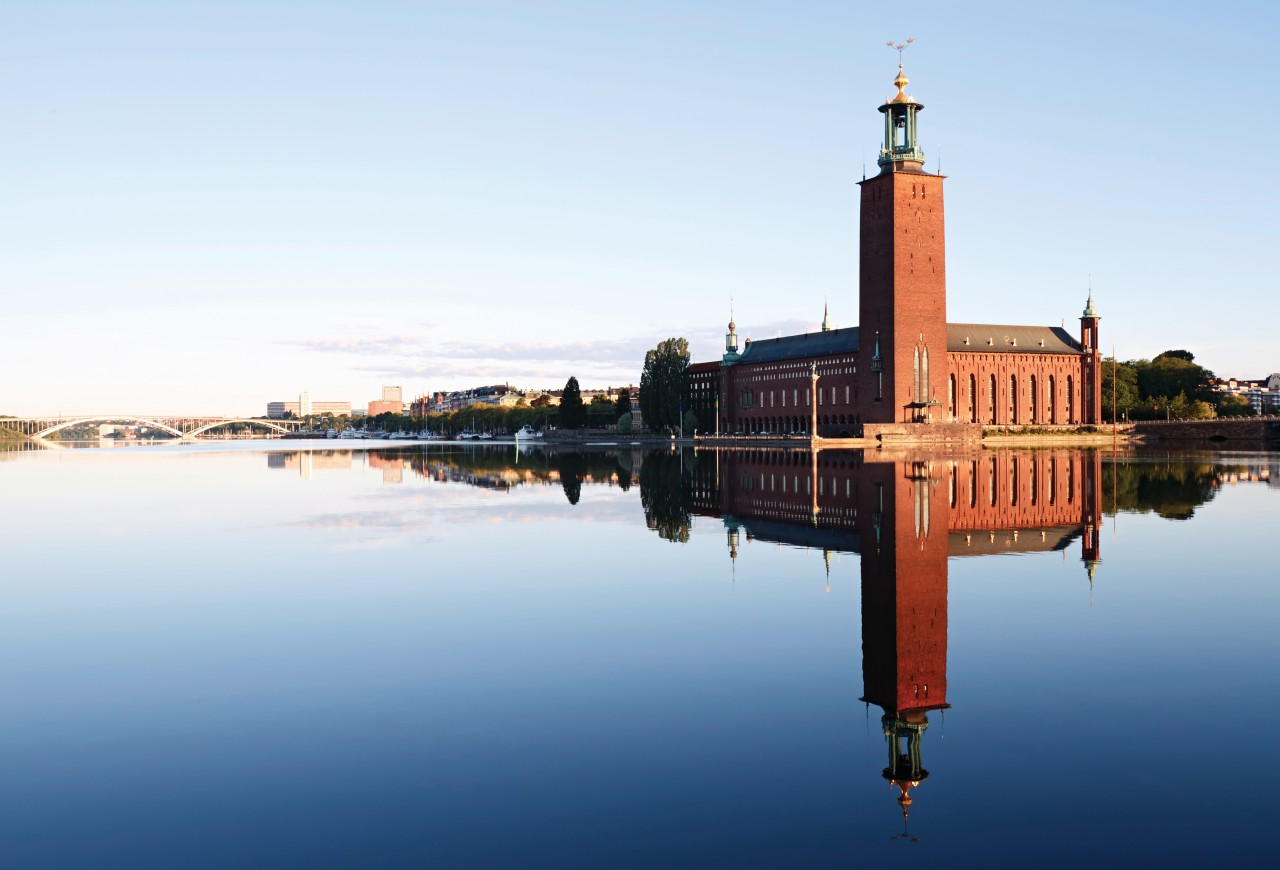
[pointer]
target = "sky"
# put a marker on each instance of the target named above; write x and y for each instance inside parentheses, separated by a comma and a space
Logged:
(210, 206)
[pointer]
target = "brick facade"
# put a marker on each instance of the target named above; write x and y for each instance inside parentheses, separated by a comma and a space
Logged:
(904, 363)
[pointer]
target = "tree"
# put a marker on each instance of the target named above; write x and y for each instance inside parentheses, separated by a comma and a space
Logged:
(664, 383)
(689, 424)
(572, 412)
(1171, 373)
(623, 402)
(1234, 405)
(1126, 387)
(542, 401)
(1185, 355)
(624, 423)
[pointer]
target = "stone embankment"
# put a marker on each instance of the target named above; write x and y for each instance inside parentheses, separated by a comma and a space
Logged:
(1244, 429)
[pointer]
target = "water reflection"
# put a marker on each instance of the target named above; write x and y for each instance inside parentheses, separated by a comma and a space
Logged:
(384, 625)
(904, 516)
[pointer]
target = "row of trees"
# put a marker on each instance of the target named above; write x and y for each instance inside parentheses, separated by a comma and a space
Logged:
(1171, 385)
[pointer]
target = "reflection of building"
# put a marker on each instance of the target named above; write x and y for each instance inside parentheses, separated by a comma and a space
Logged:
(905, 518)
(904, 363)
(307, 461)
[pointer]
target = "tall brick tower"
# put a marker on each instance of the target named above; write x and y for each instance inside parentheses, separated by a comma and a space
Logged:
(1091, 380)
(902, 277)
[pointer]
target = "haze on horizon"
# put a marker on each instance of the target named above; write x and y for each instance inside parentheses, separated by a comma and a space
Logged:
(217, 205)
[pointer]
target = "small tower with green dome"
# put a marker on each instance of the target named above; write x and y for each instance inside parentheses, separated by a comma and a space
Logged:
(901, 149)
(1089, 326)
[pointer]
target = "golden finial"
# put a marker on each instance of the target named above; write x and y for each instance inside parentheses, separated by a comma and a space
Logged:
(901, 81)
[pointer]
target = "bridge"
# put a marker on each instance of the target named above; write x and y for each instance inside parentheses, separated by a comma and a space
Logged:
(1252, 429)
(181, 427)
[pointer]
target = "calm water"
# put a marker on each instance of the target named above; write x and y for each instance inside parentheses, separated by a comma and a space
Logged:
(433, 657)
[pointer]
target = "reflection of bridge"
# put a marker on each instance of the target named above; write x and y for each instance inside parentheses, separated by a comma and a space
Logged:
(186, 427)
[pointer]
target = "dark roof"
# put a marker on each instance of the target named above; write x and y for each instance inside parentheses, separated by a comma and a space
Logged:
(979, 542)
(828, 343)
(983, 338)
(1009, 339)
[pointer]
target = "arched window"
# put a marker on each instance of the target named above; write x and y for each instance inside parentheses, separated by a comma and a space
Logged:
(1032, 406)
(915, 375)
(924, 377)
(951, 397)
(1013, 399)
(991, 400)
(1071, 399)
(1053, 401)
(973, 398)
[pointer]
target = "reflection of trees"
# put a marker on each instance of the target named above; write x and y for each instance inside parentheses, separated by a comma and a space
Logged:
(573, 468)
(624, 471)
(1172, 490)
(666, 493)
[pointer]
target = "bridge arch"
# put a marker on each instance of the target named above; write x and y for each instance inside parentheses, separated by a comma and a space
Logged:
(266, 424)
(107, 418)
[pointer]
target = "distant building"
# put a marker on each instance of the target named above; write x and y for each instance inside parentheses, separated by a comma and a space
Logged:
(392, 402)
(377, 407)
(304, 404)
(279, 410)
(1263, 393)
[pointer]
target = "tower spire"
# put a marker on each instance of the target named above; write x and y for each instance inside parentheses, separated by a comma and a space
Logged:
(731, 338)
(826, 318)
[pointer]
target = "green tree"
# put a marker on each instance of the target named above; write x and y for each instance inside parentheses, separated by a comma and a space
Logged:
(624, 423)
(1125, 386)
(689, 424)
(572, 412)
(1234, 405)
(623, 403)
(664, 383)
(1170, 373)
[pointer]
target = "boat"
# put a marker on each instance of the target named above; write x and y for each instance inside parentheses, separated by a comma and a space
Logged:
(526, 432)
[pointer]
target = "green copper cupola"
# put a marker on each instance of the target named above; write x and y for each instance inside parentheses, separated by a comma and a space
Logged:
(901, 149)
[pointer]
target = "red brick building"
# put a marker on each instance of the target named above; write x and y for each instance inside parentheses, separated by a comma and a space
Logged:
(904, 363)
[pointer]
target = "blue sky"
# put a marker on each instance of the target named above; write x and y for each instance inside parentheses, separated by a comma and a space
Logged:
(212, 205)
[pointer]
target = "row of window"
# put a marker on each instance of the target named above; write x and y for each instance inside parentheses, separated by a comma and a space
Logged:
(1038, 411)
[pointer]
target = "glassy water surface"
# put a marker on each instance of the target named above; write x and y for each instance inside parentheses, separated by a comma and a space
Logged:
(443, 656)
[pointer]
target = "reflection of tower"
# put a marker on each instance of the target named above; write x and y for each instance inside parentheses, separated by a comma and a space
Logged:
(1091, 544)
(904, 612)
(732, 535)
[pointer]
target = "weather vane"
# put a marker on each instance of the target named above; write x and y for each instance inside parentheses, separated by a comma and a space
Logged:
(900, 47)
